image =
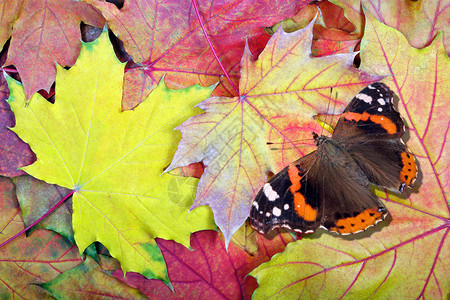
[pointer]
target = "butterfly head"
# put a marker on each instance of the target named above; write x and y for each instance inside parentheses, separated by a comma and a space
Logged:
(318, 139)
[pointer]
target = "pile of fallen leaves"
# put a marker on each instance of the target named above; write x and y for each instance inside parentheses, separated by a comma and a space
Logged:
(133, 159)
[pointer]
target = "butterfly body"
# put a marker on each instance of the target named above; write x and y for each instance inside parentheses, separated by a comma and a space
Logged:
(330, 187)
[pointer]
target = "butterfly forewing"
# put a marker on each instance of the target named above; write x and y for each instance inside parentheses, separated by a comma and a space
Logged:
(370, 115)
(371, 128)
(275, 204)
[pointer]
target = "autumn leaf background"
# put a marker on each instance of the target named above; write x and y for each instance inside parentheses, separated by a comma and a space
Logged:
(135, 134)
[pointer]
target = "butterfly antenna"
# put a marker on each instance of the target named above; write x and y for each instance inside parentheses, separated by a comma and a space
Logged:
(282, 145)
(328, 110)
(334, 105)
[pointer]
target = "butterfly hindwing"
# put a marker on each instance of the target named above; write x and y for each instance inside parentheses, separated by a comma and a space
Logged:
(387, 163)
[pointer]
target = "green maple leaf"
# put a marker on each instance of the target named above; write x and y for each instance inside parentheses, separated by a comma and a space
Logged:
(89, 279)
(113, 160)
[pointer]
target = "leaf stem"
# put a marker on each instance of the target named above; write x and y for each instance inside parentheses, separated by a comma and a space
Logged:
(10, 70)
(38, 220)
(212, 48)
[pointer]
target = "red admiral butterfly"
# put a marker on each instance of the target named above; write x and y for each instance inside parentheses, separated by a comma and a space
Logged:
(330, 187)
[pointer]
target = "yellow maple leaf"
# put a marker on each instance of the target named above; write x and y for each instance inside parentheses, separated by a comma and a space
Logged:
(113, 160)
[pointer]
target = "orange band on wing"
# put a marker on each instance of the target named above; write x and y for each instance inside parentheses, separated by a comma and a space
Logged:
(386, 123)
(294, 177)
(409, 171)
(303, 209)
(351, 116)
(367, 218)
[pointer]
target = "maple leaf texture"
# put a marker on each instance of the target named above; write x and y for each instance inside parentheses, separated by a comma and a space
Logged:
(200, 272)
(30, 194)
(408, 258)
(88, 279)
(14, 153)
(10, 12)
(420, 79)
(45, 32)
(169, 40)
(28, 261)
(285, 87)
(420, 22)
(113, 159)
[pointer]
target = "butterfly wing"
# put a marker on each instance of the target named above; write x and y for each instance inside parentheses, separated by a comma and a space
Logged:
(312, 193)
(330, 187)
(370, 128)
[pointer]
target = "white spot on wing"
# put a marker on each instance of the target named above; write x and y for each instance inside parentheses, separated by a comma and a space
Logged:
(365, 98)
(267, 214)
(276, 212)
(289, 227)
(323, 227)
(370, 87)
(270, 193)
(381, 101)
(286, 206)
(255, 204)
(286, 226)
(380, 109)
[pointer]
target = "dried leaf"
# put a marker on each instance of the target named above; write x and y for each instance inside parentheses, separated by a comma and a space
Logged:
(46, 32)
(334, 34)
(10, 12)
(208, 270)
(25, 262)
(166, 37)
(419, 21)
(14, 153)
(37, 197)
(88, 281)
(245, 238)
